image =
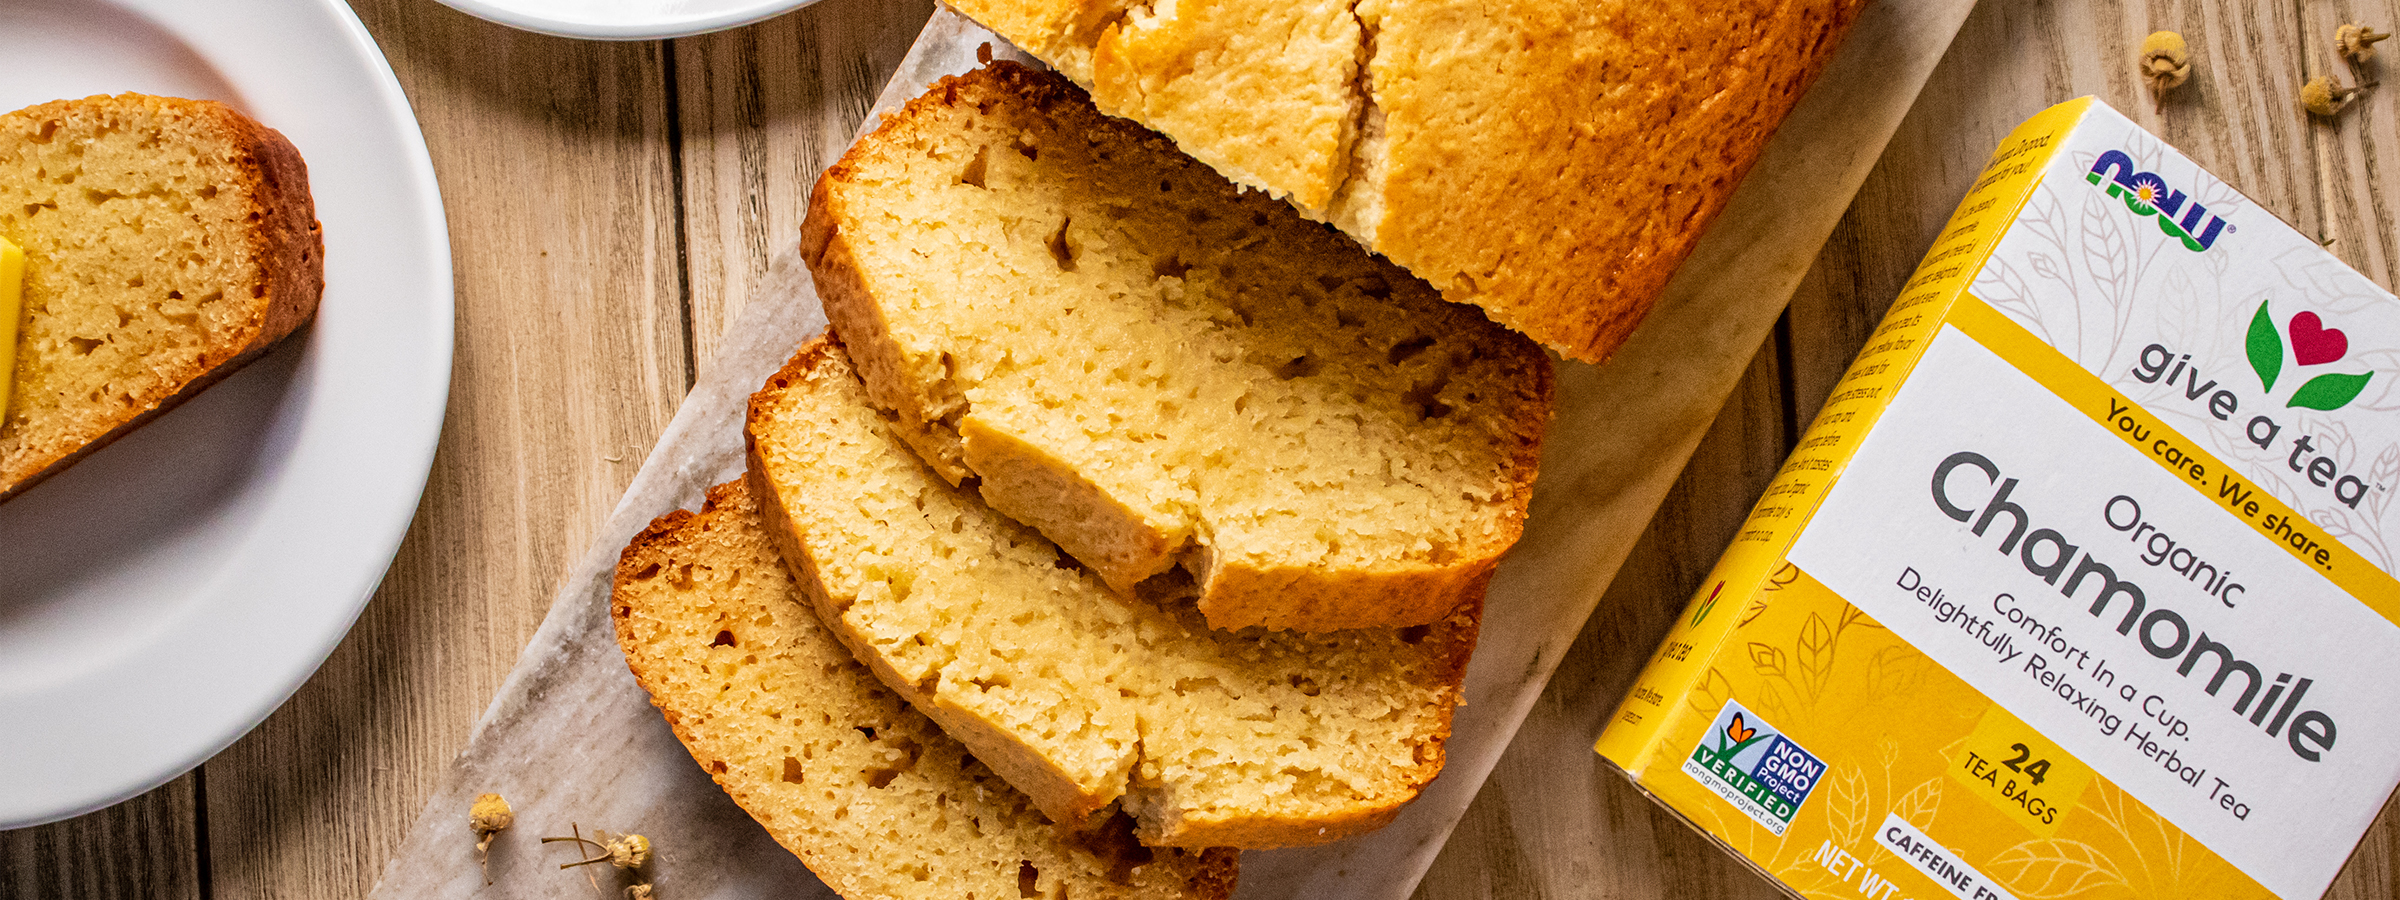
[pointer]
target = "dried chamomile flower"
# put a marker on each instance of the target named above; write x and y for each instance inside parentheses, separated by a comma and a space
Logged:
(626, 851)
(2320, 97)
(639, 892)
(629, 851)
(2357, 42)
(2166, 61)
(489, 816)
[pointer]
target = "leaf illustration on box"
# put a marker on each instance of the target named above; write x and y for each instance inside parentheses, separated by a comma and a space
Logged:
(1919, 805)
(1751, 612)
(1767, 659)
(1895, 669)
(1852, 615)
(1814, 650)
(1783, 577)
(2265, 347)
(2329, 392)
(1776, 692)
(2044, 266)
(2042, 218)
(2107, 258)
(1712, 693)
(2054, 869)
(2002, 286)
(1847, 804)
(1950, 750)
(2193, 317)
(2385, 360)
(2153, 846)
(2330, 284)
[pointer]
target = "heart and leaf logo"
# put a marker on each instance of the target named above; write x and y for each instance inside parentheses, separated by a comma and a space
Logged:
(2312, 343)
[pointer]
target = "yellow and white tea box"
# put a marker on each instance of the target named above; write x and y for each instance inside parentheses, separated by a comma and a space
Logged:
(2081, 584)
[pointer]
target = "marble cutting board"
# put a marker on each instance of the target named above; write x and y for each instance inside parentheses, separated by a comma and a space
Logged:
(572, 740)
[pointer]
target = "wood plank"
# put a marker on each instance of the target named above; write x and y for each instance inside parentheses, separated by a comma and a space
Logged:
(2357, 154)
(556, 170)
(144, 847)
(1552, 821)
(761, 111)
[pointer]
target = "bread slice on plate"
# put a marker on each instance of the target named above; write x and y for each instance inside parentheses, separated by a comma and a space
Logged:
(1158, 370)
(871, 796)
(167, 243)
(1552, 161)
(1075, 694)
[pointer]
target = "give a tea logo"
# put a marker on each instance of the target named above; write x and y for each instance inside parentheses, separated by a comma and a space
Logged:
(2146, 194)
(2312, 344)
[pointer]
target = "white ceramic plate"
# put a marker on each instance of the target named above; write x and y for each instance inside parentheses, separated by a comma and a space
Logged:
(161, 597)
(624, 20)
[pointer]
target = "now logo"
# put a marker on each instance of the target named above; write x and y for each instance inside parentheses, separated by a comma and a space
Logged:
(2311, 344)
(2146, 194)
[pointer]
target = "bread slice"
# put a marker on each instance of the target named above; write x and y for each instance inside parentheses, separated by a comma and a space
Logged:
(167, 243)
(1552, 161)
(1077, 695)
(1156, 369)
(871, 796)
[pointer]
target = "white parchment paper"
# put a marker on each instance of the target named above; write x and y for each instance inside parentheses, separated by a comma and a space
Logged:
(571, 739)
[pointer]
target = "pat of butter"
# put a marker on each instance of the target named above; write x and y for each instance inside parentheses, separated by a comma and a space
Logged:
(12, 292)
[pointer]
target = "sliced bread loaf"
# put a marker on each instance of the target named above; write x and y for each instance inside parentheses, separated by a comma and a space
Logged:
(871, 796)
(1154, 368)
(167, 242)
(1077, 695)
(1552, 161)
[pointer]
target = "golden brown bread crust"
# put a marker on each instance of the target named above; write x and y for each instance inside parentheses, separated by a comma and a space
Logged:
(1552, 161)
(811, 705)
(1628, 152)
(841, 285)
(284, 240)
(1098, 525)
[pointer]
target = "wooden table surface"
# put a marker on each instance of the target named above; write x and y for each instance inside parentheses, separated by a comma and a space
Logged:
(610, 203)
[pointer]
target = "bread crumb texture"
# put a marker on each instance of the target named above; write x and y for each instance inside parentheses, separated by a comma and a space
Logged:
(167, 241)
(1076, 694)
(1552, 161)
(1156, 368)
(868, 793)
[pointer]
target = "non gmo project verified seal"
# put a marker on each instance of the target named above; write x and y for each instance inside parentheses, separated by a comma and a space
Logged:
(1759, 771)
